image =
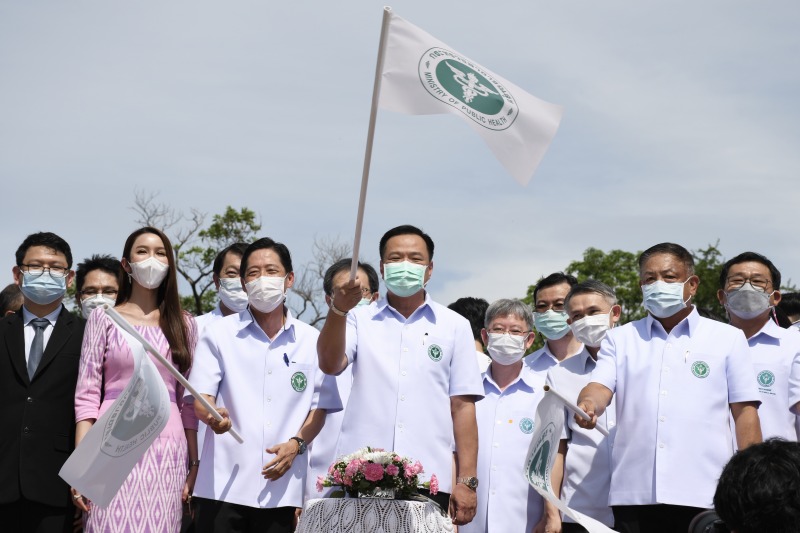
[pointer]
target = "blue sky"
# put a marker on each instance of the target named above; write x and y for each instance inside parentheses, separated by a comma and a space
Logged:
(682, 122)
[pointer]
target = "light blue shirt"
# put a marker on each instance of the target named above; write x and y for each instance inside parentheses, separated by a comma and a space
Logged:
(268, 387)
(673, 392)
(506, 502)
(773, 349)
(404, 373)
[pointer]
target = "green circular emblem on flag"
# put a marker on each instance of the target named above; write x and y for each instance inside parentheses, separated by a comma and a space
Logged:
(435, 352)
(526, 425)
(700, 369)
(537, 467)
(766, 378)
(475, 92)
(299, 381)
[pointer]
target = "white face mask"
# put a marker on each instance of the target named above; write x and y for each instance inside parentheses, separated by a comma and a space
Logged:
(591, 330)
(232, 295)
(149, 273)
(266, 293)
(505, 348)
(98, 300)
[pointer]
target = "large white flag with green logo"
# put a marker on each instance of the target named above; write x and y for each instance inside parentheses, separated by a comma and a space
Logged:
(542, 454)
(422, 76)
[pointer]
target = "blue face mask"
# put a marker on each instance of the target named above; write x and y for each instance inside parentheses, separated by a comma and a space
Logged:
(43, 289)
(664, 299)
(551, 324)
(363, 302)
(405, 278)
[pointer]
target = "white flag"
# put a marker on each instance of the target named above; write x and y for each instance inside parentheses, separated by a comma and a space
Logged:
(422, 76)
(542, 453)
(105, 457)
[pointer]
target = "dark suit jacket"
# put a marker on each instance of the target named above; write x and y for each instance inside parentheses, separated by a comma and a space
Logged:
(38, 415)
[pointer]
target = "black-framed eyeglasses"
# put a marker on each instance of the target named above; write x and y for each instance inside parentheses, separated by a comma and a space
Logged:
(737, 282)
(36, 270)
(558, 307)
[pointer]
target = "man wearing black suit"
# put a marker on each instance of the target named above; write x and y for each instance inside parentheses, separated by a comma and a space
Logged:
(40, 347)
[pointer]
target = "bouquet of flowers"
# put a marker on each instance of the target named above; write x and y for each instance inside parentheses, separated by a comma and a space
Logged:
(377, 473)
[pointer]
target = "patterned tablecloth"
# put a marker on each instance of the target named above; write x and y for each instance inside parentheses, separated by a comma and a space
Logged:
(368, 515)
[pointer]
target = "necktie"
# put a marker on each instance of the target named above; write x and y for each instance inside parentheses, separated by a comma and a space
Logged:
(37, 346)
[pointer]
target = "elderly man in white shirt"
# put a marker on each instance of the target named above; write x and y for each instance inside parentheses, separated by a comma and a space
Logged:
(259, 367)
(550, 319)
(415, 381)
(749, 288)
(676, 377)
(583, 464)
(506, 502)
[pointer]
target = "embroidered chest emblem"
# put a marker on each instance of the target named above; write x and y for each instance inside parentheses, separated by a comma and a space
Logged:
(700, 369)
(766, 378)
(435, 352)
(526, 425)
(299, 381)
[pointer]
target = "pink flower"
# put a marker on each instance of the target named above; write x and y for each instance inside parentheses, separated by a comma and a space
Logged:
(434, 485)
(373, 472)
(337, 477)
(320, 486)
(348, 481)
(352, 468)
(417, 467)
(392, 470)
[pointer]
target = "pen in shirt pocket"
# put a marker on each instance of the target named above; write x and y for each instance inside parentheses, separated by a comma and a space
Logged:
(286, 359)
(424, 338)
(686, 357)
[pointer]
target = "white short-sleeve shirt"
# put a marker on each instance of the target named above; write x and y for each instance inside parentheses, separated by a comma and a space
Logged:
(773, 349)
(506, 502)
(587, 466)
(268, 387)
(542, 360)
(673, 393)
(404, 373)
(207, 318)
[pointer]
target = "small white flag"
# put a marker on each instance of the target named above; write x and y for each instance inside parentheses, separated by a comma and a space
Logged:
(108, 452)
(422, 76)
(542, 453)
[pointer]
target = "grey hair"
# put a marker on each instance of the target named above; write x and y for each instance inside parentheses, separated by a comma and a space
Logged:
(506, 307)
(591, 286)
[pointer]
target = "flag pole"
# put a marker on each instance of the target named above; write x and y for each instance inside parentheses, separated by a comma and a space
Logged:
(376, 93)
(574, 408)
(116, 317)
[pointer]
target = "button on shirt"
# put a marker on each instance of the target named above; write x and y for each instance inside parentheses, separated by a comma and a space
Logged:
(30, 331)
(773, 349)
(506, 502)
(404, 373)
(268, 387)
(587, 467)
(673, 393)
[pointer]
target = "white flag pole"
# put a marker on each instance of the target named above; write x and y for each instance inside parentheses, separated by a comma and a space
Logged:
(116, 317)
(376, 94)
(575, 409)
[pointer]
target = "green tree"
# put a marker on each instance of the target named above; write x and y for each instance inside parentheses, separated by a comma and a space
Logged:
(195, 244)
(619, 270)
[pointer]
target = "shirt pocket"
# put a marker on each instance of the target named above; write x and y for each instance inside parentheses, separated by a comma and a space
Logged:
(301, 378)
(437, 350)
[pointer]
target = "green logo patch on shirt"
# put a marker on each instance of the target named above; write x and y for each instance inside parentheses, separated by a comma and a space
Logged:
(299, 381)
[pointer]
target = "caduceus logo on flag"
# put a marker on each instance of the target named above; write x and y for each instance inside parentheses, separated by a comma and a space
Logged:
(422, 75)
(542, 454)
(105, 457)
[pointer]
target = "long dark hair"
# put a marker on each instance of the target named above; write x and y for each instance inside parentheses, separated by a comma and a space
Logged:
(172, 320)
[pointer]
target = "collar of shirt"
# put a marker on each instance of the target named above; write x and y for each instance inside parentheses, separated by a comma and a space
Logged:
(538, 354)
(526, 379)
(425, 310)
(770, 329)
(27, 316)
(684, 327)
(216, 311)
(246, 319)
(586, 359)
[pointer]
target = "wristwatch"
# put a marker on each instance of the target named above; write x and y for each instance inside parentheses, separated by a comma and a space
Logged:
(471, 482)
(302, 445)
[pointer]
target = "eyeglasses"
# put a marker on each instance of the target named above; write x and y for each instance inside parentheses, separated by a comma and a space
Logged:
(512, 331)
(542, 307)
(36, 271)
(105, 292)
(737, 282)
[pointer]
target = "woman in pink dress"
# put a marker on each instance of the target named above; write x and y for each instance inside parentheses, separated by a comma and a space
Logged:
(150, 499)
